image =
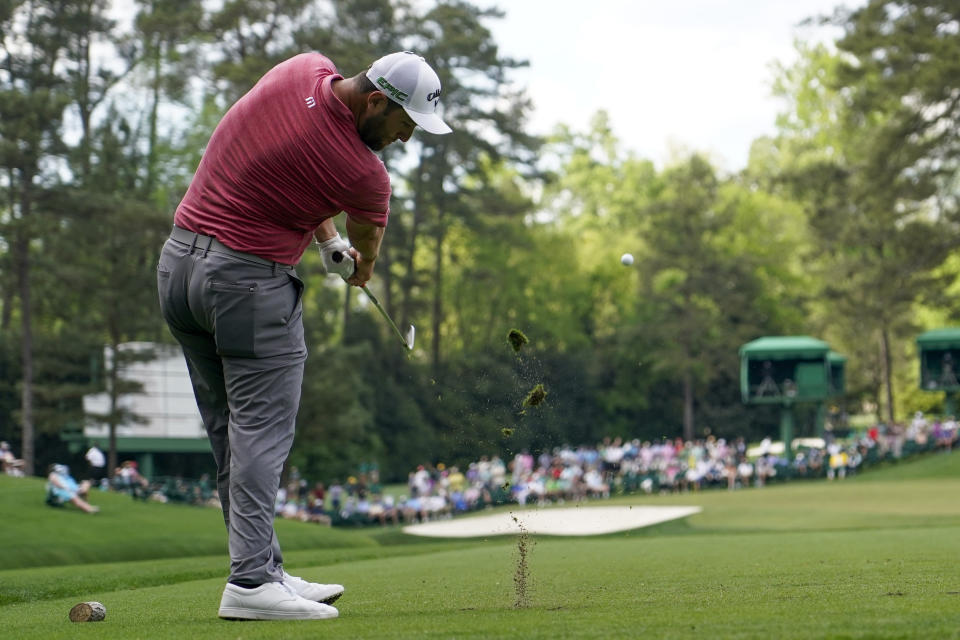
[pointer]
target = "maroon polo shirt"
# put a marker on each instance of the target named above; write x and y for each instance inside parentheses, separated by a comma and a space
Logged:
(283, 159)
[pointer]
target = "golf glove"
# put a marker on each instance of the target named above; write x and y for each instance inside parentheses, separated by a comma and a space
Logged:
(335, 256)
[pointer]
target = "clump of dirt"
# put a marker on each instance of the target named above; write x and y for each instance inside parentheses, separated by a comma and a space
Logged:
(517, 339)
(521, 574)
(536, 396)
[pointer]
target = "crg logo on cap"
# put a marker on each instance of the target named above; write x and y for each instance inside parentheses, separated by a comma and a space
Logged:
(407, 79)
(398, 95)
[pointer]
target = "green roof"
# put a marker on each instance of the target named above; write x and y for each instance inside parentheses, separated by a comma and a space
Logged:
(946, 338)
(835, 357)
(785, 347)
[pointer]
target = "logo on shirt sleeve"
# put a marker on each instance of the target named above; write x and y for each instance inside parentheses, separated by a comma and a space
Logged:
(311, 102)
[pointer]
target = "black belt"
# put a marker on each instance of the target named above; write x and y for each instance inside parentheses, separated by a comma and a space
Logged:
(211, 244)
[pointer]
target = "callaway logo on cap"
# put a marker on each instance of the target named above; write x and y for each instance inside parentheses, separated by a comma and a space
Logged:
(407, 79)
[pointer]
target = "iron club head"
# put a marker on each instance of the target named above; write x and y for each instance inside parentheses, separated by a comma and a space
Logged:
(408, 339)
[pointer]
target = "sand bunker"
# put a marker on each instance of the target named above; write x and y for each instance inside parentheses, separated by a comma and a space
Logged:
(575, 521)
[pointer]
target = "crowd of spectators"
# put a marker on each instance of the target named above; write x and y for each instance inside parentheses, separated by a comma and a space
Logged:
(615, 466)
(128, 479)
(360, 500)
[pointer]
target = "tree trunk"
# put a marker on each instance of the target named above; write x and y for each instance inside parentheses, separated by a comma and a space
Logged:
(8, 292)
(85, 108)
(687, 407)
(7, 314)
(26, 347)
(887, 371)
(112, 377)
(437, 314)
(152, 135)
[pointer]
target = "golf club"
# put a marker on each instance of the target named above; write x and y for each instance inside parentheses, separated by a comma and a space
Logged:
(411, 332)
(348, 263)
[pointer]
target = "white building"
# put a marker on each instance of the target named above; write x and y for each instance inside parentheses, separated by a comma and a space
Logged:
(169, 422)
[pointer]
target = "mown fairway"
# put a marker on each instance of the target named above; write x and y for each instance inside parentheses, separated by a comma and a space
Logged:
(876, 556)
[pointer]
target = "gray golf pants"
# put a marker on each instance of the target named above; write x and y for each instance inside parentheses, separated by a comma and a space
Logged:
(239, 322)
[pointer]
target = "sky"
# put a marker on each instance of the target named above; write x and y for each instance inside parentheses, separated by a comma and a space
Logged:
(672, 74)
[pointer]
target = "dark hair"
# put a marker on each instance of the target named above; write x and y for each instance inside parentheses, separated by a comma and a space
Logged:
(366, 86)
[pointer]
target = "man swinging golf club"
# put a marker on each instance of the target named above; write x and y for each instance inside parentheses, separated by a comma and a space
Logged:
(291, 154)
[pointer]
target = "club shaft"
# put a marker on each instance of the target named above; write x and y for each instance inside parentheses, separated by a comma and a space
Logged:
(383, 312)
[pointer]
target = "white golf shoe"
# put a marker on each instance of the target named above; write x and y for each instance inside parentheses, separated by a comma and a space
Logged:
(270, 601)
(322, 593)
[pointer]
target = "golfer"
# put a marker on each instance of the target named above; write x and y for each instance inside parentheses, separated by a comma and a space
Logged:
(286, 158)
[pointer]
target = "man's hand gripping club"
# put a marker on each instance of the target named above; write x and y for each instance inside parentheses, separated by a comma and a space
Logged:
(332, 251)
(340, 258)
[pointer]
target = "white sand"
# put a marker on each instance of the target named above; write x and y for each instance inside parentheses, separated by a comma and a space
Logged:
(571, 521)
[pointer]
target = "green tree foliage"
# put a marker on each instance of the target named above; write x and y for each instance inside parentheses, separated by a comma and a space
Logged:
(714, 258)
(357, 32)
(77, 231)
(840, 227)
(459, 45)
(863, 144)
(252, 36)
(168, 33)
(32, 100)
(903, 59)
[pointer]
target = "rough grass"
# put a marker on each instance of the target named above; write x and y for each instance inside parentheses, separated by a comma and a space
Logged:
(868, 557)
(35, 535)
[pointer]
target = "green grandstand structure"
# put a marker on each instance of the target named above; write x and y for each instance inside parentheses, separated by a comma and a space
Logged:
(939, 355)
(787, 370)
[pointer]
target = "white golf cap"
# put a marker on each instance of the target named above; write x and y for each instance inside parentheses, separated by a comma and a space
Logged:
(407, 79)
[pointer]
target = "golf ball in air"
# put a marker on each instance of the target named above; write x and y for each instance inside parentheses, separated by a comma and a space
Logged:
(626, 259)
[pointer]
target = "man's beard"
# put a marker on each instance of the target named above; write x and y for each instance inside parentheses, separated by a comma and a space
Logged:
(372, 132)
